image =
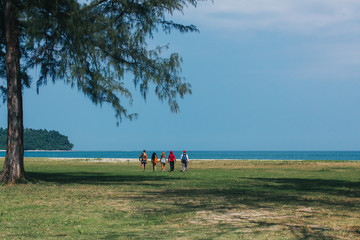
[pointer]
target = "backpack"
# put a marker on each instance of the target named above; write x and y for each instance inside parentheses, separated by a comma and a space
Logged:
(143, 157)
(183, 159)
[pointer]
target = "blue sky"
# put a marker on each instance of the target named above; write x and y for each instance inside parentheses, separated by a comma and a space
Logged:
(266, 75)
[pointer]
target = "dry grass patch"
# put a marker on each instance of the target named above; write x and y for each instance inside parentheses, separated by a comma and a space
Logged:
(282, 164)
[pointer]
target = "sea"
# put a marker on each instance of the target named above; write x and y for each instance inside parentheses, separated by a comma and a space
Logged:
(261, 155)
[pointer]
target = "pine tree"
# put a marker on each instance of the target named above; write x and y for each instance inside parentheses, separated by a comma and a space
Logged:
(92, 46)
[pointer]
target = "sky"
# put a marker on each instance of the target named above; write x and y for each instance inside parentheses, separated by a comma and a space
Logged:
(265, 75)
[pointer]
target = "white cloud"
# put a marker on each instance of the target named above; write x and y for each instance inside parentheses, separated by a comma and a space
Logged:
(283, 15)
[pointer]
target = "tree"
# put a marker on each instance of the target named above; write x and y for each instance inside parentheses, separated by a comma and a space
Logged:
(94, 46)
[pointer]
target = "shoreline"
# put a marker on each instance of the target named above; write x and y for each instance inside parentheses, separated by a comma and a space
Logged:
(149, 160)
(206, 155)
(114, 160)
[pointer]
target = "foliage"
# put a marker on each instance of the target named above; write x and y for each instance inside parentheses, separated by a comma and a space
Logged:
(213, 200)
(41, 139)
(95, 45)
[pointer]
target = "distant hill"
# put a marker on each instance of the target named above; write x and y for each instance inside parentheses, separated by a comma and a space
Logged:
(41, 139)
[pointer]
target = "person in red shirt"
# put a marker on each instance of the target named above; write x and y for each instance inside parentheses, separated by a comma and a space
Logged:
(172, 161)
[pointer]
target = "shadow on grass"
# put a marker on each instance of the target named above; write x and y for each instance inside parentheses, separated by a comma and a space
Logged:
(303, 233)
(97, 178)
(267, 192)
(331, 187)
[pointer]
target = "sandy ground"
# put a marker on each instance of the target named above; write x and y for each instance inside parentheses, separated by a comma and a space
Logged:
(117, 159)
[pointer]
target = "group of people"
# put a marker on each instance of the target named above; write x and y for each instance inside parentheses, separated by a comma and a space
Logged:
(171, 159)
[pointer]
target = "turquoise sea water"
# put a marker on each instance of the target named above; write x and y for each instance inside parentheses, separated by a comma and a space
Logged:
(272, 155)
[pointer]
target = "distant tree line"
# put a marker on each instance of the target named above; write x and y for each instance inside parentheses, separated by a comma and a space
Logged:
(41, 139)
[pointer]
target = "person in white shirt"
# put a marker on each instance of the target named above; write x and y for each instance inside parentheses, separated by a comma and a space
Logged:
(184, 160)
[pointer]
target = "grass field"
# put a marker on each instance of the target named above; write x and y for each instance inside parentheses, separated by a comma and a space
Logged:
(213, 200)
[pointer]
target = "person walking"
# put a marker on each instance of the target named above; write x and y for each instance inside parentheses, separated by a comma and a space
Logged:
(154, 161)
(172, 161)
(143, 160)
(184, 160)
(163, 161)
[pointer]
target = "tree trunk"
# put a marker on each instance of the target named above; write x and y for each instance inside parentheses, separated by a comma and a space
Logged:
(13, 170)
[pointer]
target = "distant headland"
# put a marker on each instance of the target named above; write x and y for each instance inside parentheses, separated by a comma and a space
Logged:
(40, 140)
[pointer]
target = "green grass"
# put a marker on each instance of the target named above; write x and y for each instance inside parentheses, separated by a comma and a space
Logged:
(213, 200)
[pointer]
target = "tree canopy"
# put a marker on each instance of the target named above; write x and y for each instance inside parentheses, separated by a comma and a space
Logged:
(94, 46)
